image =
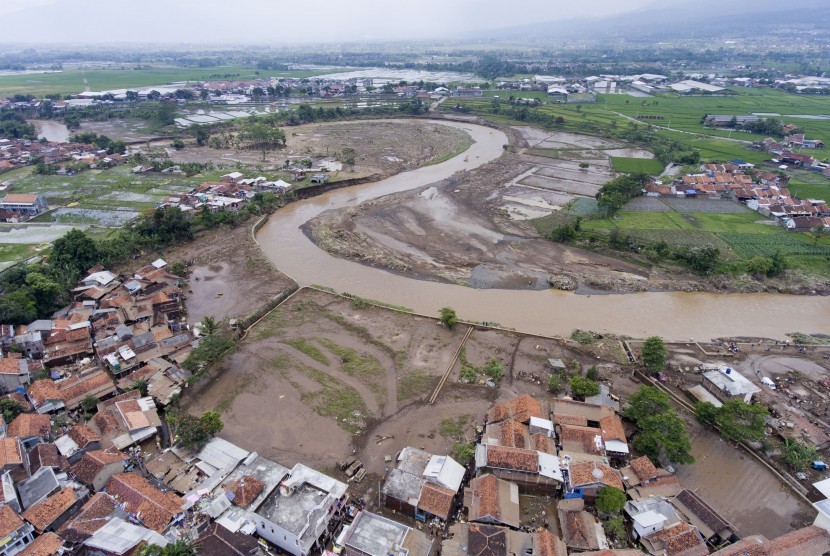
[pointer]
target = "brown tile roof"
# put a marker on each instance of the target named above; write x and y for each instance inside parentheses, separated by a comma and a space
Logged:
(546, 543)
(83, 435)
(512, 458)
(612, 428)
(106, 422)
(28, 425)
(542, 443)
(10, 452)
(702, 511)
(810, 540)
(681, 539)
(513, 434)
(44, 513)
(9, 521)
(486, 540)
(644, 469)
(218, 541)
(133, 416)
(521, 409)
(86, 468)
(91, 517)
(436, 500)
(45, 545)
(44, 455)
(485, 492)
(156, 508)
(9, 366)
(74, 390)
(44, 390)
(579, 530)
(585, 436)
(582, 473)
(20, 198)
(245, 490)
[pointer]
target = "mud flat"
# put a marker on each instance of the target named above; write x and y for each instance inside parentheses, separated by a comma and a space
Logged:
(673, 315)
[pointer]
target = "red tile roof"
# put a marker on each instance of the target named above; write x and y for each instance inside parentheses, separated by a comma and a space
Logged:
(644, 469)
(155, 509)
(436, 500)
(45, 545)
(44, 513)
(88, 467)
(245, 490)
(91, 517)
(83, 435)
(680, 539)
(502, 457)
(9, 521)
(546, 543)
(612, 428)
(28, 425)
(10, 452)
(521, 409)
(591, 472)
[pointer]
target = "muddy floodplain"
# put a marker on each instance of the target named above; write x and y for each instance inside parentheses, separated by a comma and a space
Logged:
(323, 377)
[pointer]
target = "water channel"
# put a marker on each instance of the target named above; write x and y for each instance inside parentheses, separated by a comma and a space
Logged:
(673, 315)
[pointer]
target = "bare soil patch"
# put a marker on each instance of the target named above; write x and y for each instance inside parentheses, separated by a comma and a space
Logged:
(228, 275)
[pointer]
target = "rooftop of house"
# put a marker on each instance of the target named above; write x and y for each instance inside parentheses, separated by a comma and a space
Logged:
(375, 535)
(516, 459)
(491, 498)
(699, 513)
(436, 500)
(591, 472)
(44, 545)
(731, 381)
(93, 515)
(154, 508)
(643, 468)
(681, 539)
(579, 530)
(9, 521)
(216, 540)
(546, 543)
(44, 455)
(29, 425)
(10, 452)
(520, 409)
(244, 490)
(44, 513)
(91, 463)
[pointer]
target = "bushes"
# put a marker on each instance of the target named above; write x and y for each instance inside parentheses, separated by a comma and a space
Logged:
(582, 387)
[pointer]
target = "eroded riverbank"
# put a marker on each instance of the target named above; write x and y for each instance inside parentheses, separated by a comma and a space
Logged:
(674, 315)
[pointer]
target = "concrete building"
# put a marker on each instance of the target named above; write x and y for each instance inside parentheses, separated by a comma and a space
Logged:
(297, 513)
(374, 535)
(423, 485)
(725, 383)
(24, 203)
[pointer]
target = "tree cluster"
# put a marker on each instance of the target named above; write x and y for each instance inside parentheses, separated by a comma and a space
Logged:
(661, 430)
(737, 420)
(193, 432)
(15, 126)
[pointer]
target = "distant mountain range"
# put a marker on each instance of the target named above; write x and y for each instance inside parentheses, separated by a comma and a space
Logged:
(692, 19)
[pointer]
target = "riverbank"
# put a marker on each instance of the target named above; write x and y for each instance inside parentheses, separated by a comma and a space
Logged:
(673, 315)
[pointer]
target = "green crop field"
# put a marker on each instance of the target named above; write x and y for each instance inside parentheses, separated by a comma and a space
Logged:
(738, 236)
(809, 185)
(634, 165)
(71, 81)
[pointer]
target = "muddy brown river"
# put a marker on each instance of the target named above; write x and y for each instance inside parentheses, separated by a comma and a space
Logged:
(673, 315)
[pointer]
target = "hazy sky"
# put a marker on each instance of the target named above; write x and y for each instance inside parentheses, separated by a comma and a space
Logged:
(279, 21)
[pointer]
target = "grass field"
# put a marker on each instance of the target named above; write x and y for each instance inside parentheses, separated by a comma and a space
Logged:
(738, 236)
(633, 165)
(809, 185)
(680, 113)
(71, 81)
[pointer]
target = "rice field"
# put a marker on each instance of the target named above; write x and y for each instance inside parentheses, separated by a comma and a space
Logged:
(635, 165)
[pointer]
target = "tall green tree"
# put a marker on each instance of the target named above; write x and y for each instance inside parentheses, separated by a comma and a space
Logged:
(740, 421)
(664, 434)
(74, 253)
(654, 353)
(647, 401)
(610, 500)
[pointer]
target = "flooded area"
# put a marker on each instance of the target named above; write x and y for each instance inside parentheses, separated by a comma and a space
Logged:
(755, 502)
(674, 315)
(51, 130)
